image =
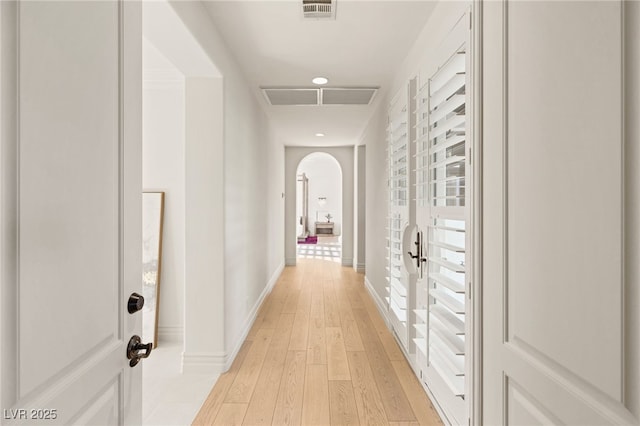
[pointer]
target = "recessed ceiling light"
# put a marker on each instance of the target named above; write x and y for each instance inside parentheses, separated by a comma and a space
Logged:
(320, 80)
(319, 135)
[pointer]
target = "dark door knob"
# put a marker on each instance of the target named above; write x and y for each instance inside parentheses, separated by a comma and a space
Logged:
(136, 302)
(136, 350)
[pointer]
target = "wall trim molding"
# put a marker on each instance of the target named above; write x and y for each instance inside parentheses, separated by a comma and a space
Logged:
(203, 362)
(379, 302)
(290, 261)
(251, 318)
(347, 261)
(360, 267)
(171, 333)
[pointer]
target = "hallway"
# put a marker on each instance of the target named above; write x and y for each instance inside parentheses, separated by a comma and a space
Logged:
(327, 248)
(318, 353)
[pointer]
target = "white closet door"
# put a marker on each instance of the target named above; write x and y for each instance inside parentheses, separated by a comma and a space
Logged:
(556, 335)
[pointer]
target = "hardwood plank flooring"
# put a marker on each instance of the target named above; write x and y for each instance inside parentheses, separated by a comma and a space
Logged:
(300, 332)
(318, 353)
(216, 397)
(337, 364)
(343, 403)
(368, 400)
(230, 414)
(317, 345)
(315, 405)
(245, 381)
(425, 413)
(263, 401)
(288, 410)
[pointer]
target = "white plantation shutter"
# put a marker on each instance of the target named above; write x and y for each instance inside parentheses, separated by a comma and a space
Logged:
(398, 157)
(441, 318)
(428, 172)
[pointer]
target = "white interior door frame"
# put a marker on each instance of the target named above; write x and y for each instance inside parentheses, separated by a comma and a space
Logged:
(475, 217)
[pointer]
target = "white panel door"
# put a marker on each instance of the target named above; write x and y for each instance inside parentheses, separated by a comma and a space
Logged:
(553, 209)
(77, 211)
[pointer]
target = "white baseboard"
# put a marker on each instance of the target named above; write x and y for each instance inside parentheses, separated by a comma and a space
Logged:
(382, 307)
(359, 267)
(203, 363)
(251, 318)
(347, 261)
(170, 334)
(290, 261)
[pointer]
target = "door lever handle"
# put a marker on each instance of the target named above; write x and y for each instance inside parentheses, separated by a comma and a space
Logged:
(136, 350)
(413, 256)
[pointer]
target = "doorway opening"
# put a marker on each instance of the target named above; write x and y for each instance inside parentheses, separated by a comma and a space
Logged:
(182, 128)
(319, 208)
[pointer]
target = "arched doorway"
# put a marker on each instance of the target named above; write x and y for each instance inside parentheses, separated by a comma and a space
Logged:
(319, 212)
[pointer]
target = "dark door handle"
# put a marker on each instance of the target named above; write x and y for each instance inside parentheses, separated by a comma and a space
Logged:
(418, 256)
(135, 303)
(136, 350)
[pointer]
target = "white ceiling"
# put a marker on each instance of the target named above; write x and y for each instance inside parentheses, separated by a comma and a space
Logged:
(275, 46)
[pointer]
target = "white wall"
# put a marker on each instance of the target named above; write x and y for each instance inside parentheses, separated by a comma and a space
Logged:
(293, 156)
(202, 182)
(204, 348)
(251, 222)
(360, 219)
(325, 180)
(377, 200)
(163, 141)
(442, 20)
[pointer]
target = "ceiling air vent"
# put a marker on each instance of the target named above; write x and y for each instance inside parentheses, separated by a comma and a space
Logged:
(347, 96)
(319, 9)
(292, 96)
(325, 96)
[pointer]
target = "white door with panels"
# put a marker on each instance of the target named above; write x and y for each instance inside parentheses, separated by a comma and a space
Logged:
(559, 329)
(71, 241)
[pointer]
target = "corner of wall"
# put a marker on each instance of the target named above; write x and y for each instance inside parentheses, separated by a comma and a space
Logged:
(290, 261)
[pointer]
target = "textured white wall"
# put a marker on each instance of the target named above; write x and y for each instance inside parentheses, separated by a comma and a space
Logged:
(163, 142)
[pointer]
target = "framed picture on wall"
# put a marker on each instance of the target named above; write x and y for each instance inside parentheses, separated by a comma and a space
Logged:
(152, 223)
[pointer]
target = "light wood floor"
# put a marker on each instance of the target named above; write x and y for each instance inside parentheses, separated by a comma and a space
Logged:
(319, 353)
